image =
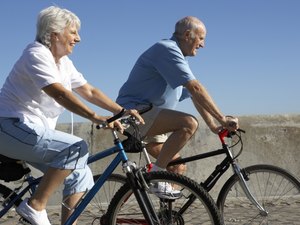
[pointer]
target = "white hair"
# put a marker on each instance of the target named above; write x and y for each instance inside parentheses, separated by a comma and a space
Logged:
(188, 23)
(53, 20)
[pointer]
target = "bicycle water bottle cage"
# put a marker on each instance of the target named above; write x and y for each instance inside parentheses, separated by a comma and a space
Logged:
(11, 169)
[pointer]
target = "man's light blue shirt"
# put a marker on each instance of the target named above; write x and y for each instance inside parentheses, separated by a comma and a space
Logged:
(157, 77)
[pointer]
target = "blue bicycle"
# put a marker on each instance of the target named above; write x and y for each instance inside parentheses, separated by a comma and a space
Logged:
(134, 203)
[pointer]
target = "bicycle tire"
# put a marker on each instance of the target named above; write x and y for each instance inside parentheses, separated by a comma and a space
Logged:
(124, 208)
(99, 204)
(276, 189)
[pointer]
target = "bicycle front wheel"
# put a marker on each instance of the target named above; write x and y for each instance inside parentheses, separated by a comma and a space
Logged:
(277, 190)
(98, 206)
(194, 206)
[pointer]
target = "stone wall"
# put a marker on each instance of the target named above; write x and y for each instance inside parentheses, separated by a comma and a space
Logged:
(268, 140)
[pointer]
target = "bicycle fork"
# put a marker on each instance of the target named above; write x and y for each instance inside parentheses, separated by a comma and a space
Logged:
(137, 183)
(244, 185)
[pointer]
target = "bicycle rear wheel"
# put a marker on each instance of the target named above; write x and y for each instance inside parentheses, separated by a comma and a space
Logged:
(99, 204)
(194, 206)
(277, 190)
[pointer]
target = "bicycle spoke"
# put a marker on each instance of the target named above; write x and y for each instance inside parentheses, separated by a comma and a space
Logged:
(275, 189)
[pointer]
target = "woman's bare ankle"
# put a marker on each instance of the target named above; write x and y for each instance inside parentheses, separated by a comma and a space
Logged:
(35, 204)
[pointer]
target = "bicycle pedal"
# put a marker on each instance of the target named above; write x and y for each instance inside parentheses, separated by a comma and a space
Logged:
(24, 221)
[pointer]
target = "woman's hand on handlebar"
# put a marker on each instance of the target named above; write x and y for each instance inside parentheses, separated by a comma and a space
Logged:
(101, 122)
(134, 113)
(114, 123)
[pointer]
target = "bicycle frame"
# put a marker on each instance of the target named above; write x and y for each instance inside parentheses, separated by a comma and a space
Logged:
(32, 184)
(128, 168)
(221, 168)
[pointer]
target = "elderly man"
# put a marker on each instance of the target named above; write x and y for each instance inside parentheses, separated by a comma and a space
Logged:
(162, 77)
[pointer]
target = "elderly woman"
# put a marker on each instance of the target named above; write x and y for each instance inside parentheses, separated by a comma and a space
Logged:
(34, 94)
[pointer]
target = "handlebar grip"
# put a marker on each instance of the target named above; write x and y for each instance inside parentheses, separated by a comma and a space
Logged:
(241, 130)
(115, 117)
(226, 133)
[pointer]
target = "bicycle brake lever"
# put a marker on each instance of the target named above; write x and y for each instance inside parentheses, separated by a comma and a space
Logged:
(241, 130)
(231, 133)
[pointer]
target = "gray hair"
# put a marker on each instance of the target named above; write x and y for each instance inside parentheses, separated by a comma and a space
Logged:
(53, 20)
(187, 23)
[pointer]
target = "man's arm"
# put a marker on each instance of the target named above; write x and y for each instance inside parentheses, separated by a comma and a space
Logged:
(208, 109)
(204, 103)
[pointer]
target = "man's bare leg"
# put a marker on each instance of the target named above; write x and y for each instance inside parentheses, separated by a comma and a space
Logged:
(182, 127)
(154, 149)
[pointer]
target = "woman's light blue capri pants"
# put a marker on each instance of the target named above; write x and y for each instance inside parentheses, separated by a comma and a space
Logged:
(43, 148)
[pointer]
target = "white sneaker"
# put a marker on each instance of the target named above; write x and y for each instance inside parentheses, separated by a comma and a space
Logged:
(33, 216)
(165, 190)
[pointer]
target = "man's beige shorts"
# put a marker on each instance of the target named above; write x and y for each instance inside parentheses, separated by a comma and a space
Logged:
(149, 118)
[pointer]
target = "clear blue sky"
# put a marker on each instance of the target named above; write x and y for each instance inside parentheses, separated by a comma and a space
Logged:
(250, 65)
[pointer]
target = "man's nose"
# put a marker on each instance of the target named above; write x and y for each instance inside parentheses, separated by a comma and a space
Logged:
(202, 44)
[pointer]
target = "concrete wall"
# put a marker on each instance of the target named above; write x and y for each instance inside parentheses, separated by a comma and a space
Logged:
(268, 140)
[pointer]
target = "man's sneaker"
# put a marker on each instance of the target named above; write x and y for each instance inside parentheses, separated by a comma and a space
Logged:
(165, 190)
(33, 216)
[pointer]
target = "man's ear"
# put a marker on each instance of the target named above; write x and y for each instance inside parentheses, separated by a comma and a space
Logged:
(187, 35)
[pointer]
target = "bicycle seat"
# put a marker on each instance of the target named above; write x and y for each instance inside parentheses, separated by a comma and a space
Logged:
(12, 169)
(5, 159)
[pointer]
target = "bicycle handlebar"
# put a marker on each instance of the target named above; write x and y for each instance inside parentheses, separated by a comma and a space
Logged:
(226, 133)
(121, 114)
(115, 117)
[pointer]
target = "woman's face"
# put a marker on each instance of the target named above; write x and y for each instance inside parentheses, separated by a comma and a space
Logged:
(65, 41)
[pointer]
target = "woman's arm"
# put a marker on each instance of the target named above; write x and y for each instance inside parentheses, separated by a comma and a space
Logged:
(71, 102)
(97, 97)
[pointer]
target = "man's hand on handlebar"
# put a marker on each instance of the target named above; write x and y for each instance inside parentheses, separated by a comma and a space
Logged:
(232, 123)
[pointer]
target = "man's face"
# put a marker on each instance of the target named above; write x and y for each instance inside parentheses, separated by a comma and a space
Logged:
(192, 41)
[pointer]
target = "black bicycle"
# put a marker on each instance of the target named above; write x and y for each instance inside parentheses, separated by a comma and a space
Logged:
(258, 194)
(134, 203)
